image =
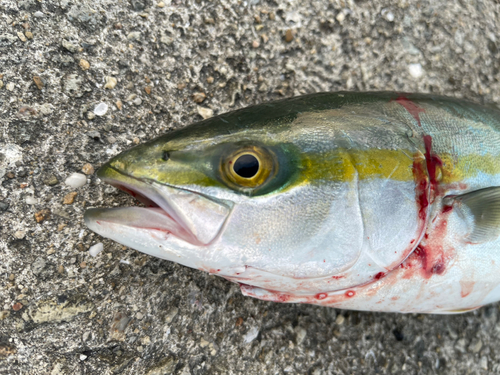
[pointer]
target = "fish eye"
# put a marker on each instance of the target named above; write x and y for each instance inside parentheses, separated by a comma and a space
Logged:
(248, 167)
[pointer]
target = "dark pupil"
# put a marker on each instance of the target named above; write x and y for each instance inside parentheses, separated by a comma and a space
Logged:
(246, 166)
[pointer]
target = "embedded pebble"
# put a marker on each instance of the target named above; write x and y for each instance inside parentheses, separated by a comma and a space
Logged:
(96, 249)
(388, 15)
(415, 70)
(90, 115)
(31, 200)
(42, 215)
(205, 112)
(199, 97)
(251, 335)
(21, 36)
(289, 35)
(69, 46)
(29, 34)
(119, 104)
(51, 180)
(70, 198)
(39, 14)
(19, 234)
(10, 86)
(76, 180)
(88, 169)
(134, 35)
(38, 82)
(340, 319)
(84, 64)
(137, 101)
(110, 83)
(101, 109)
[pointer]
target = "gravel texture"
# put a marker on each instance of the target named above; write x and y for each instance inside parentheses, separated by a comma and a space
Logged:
(162, 65)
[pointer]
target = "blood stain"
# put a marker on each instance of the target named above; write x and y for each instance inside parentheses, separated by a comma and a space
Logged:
(411, 107)
(321, 295)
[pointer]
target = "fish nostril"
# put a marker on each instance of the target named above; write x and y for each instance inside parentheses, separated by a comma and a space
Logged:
(165, 156)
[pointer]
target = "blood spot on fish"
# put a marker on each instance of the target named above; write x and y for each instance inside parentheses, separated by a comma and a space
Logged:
(379, 275)
(321, 296)
(350, 293)
(412, 108)
(337, 277)
(447, 209)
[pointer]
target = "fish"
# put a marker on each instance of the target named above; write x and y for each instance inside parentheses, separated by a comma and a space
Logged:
(376, 201)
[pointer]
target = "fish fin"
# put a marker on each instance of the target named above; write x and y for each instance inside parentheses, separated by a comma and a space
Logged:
(484, 205)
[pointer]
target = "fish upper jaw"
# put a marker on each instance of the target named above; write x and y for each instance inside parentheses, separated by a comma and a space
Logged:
(190, 216)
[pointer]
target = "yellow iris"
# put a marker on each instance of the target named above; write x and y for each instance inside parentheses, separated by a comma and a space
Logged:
(248, 167)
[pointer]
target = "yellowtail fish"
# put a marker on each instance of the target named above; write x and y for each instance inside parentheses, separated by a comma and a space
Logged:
(365, 201)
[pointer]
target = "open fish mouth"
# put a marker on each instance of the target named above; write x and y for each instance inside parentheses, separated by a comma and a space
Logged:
(187, 215)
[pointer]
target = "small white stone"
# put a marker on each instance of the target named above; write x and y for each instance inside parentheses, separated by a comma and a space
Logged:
(31, 200)
(96, 249)
(19, 234)
(340, 17)
(251, 335)
(415, 70)
(76, 180)
(83, 357)
(10, 86)
(101, 109)
(205, 112)
(388, 15)
(39, 14)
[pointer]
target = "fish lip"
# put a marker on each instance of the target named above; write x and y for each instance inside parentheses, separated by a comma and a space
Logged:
(199, 219)
(139, 189)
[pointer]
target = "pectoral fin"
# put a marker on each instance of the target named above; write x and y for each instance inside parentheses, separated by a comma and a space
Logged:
(484, 206)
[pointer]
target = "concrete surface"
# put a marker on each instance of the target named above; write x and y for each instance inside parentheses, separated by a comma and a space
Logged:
(63, 311)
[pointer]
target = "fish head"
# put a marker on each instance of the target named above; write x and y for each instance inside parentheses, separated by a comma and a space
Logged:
(264, 202)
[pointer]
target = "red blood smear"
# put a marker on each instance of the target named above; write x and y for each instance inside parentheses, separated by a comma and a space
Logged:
(321, 296)
(447, 209)
(337, 277)
(350, 293)
(432, 262)
(411, 107)
(432, 161)
(379, 275)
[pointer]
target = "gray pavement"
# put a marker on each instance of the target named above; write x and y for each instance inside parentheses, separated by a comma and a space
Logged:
(163, 65)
